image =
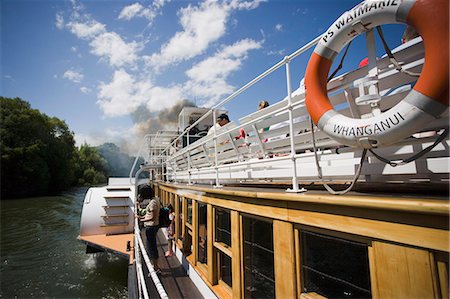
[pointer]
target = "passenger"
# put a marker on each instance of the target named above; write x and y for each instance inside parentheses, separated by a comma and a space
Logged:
(170, 231)
(263, 104)
(194, 130)
(222, 120)
(151, 224)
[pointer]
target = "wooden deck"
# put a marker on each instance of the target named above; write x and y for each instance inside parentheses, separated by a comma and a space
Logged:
(112, 243)
(174, 278)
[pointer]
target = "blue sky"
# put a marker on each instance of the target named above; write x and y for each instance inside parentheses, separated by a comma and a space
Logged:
(100, 64)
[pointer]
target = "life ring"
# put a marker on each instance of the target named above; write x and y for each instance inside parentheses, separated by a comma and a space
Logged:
(425, 102)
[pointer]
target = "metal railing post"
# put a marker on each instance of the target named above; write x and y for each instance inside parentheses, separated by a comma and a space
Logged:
(189, 158)
(216, 160)
(291, 132)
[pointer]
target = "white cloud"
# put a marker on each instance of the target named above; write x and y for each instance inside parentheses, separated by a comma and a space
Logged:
(128, 139)
(108, 45)
(164, 97)
(202, 25)
(124, 94)
(130, 11)
(85, 89)
(112, 47)
(248, 5)
(86, 30)
(208, 78)
(81, 139)
(279, 27)
(59, 21)
(137, 10)
(73, 76)
(160, 3)
(279, 52)
(96, 138)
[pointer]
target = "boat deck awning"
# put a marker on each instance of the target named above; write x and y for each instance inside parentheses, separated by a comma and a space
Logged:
(121, 244)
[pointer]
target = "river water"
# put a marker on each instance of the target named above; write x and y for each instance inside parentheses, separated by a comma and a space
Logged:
(42, 258)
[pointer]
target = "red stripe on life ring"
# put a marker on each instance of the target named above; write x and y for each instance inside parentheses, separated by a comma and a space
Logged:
(317, 101)
(430, 19)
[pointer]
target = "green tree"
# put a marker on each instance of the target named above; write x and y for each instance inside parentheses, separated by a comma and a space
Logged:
(91, 168)
(37, 152)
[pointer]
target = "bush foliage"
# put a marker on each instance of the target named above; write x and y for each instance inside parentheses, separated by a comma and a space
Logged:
(39, 156)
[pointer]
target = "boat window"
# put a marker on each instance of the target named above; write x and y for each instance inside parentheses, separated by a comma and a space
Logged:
(259, 276)
(223, 226)
(225, 273)
(187, 242)
(202, 232)
(334, 267)
(189, 211)
(179, 223)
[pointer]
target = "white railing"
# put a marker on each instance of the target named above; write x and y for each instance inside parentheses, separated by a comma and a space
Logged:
(155, 144)
(196, 159)
(140, 249)
(280, 64)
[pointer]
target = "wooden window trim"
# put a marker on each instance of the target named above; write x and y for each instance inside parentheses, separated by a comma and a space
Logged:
(311, 295)
(441, 265)
(226, 287)
(202, 267)
(336, 234)
(298, 228)
(188, 225)
(224, 248)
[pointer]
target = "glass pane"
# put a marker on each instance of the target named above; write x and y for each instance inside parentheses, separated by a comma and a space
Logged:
(259, 275)
(180, 218)
(223, 226)
(335, 268)
(189, 211)
(225, 273)
(202, 233)
(187, 243)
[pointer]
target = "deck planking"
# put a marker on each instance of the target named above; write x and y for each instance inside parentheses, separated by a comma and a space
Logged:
(174, 278)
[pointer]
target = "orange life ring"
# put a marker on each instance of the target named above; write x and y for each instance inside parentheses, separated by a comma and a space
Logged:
(426, 101)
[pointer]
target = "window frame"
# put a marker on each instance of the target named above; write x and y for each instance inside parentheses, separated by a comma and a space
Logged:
(241, 224)
(220, 247)
(335, 234)
(203, 266)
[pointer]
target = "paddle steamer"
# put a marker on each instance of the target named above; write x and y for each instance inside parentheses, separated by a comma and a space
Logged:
(288, 209)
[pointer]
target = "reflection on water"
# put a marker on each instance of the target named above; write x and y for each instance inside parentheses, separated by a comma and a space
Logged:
(41, 256)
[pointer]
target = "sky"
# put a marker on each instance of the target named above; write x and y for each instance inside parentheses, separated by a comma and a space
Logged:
(110, 69)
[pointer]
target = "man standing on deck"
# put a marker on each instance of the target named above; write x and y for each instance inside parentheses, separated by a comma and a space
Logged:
(151, 224)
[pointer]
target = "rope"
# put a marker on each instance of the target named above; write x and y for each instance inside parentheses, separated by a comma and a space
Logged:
(340, 63)
(319, 169)
(414, 157)
(159, 287)
(394, 61)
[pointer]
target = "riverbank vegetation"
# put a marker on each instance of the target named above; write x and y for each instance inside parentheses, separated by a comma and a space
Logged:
(39, 156)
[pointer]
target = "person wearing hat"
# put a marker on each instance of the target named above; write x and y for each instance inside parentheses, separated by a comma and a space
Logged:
(221, 121)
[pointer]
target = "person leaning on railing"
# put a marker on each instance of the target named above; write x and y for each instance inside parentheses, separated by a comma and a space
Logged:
(151, 224)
